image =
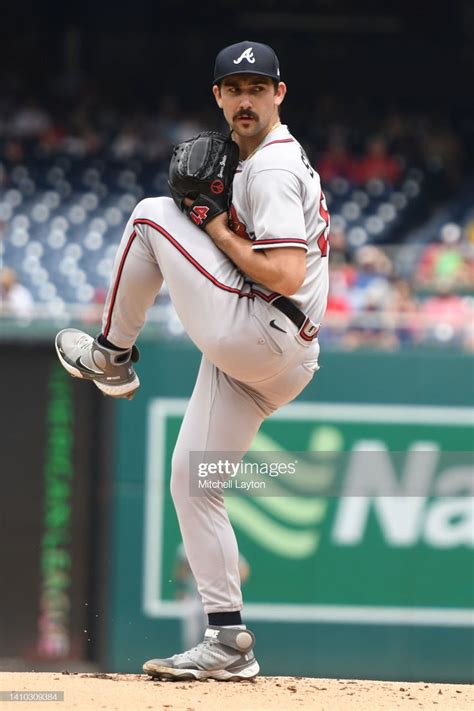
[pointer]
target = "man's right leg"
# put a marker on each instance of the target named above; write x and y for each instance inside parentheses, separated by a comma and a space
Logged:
(109, 365)
(159, 243)
(202, 283)
(211, 297)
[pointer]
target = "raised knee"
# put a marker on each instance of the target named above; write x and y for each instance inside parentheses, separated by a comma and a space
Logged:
(150, 208)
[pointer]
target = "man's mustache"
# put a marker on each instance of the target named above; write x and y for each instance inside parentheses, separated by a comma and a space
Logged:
(239, 114)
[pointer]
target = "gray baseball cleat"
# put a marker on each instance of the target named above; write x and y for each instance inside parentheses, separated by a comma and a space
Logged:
(111, 371)
(225, 654)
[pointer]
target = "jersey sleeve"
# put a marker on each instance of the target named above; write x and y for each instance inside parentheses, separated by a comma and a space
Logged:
(277, 210)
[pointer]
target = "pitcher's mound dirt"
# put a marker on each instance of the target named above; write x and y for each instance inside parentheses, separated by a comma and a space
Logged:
(136, 692)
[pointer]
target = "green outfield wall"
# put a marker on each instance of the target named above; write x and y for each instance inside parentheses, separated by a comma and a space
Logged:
(374, 585)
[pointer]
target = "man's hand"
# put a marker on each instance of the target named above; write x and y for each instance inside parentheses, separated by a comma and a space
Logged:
(215, 225)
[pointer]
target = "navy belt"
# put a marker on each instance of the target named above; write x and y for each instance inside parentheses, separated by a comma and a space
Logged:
(307, 329)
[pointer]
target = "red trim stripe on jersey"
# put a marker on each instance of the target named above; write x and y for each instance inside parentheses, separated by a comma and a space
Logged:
(117, 282)
(281, 240)
(265, 297)
(280, 140)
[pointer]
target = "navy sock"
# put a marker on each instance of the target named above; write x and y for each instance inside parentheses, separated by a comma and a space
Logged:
(107, 344)
(221, 619)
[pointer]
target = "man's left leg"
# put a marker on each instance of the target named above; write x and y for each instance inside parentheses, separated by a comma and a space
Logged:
(222, 418)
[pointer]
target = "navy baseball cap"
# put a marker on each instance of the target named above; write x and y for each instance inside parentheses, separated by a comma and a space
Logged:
(247, 58)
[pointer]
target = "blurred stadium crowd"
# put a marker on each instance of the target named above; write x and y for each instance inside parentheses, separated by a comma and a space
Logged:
(399, 188)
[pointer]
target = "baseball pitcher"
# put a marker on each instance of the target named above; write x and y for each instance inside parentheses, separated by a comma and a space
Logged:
(243, 248)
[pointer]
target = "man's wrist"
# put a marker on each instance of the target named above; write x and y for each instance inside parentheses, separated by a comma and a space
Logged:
(218, 229)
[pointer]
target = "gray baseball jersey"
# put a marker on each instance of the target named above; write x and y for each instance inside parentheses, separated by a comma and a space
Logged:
(278, 202)
(255, 358)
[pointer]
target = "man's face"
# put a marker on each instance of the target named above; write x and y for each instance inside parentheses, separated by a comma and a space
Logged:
(249, 102)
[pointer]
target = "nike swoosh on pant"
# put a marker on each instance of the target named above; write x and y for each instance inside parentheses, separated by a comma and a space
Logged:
(273, 325)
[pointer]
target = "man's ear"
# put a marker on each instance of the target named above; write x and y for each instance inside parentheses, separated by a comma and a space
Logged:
(280, 93)
(216, 90)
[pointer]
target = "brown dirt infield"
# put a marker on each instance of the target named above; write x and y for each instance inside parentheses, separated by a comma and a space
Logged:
(134, 692)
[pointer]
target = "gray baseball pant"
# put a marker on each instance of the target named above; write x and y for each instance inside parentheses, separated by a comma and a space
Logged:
(248, 369)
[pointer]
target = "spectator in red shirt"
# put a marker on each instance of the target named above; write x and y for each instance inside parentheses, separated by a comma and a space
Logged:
(377, 163)
(336, 161)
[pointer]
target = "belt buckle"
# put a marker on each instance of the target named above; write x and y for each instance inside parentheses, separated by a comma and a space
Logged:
(308, 331)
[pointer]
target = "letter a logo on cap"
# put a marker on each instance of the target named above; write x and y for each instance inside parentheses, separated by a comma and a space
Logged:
(248, 55)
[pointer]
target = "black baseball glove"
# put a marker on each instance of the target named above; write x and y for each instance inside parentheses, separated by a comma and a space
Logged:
(203, 169)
